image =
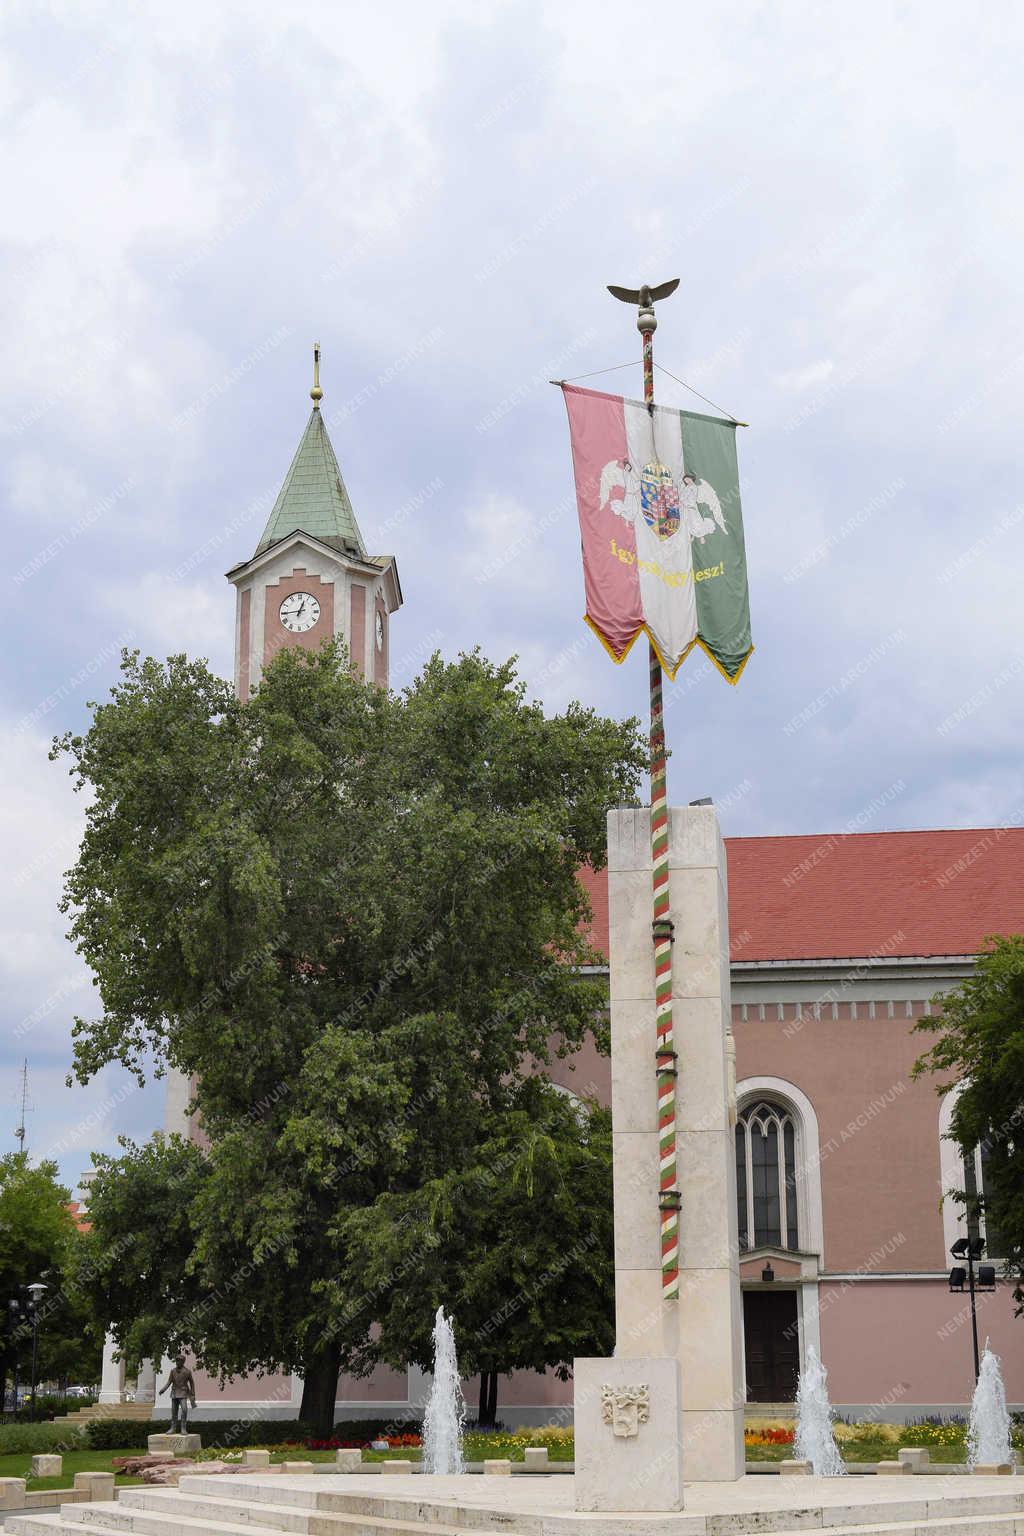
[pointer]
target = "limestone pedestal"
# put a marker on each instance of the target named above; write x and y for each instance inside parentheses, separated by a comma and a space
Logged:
(173, 1445)
(629, 1450)
(46, 1465)
(703, 1329)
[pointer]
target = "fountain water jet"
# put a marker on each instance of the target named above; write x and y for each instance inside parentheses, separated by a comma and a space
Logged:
(988, 1432)
(815, 1441)
(446, 1407)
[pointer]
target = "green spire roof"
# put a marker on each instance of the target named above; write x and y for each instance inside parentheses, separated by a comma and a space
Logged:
(313, 498)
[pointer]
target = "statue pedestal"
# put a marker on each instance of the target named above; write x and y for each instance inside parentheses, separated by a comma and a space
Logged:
(174, 1445)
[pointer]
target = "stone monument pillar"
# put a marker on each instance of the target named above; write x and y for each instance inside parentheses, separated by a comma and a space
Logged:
(701, 1331)
(145, 1384)
(111, 1374)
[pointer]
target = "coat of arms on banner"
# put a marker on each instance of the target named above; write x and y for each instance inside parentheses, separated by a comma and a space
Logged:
(652, 493)
(625, 1408)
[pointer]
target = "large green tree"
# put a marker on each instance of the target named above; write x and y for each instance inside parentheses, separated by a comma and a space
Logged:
(980, 1044)
(517, 1247)
(353, 918)
(39, 1240)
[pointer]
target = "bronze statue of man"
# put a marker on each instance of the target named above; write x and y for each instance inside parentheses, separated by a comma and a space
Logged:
(183, 1392)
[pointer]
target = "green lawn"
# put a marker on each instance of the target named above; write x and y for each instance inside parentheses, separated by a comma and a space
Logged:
(856, 1451)
(17, 1465)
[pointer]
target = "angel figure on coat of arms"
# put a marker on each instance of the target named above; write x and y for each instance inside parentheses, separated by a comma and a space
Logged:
(650, 495)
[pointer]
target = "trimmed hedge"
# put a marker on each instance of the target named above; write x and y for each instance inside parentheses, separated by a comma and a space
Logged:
(30, 1439)
(375, 1429)
(132, 1434)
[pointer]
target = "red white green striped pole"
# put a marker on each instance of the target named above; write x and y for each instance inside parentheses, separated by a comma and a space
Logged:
(669, 1199)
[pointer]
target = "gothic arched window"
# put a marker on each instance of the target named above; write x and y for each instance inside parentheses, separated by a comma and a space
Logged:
(766, 1176)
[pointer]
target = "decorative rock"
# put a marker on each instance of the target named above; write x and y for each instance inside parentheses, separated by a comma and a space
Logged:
(915, 1456)
(379, 1445)
(178, 1445)
(256, 1458)
(497, 1467)
(993, 1469)
(46, 1466)
(12, 1493)
(98, 1485)
(794, 1467)
(348, 1460)
(894, 1469)
(392, 1468)
(289, 1467)
(535, 1457)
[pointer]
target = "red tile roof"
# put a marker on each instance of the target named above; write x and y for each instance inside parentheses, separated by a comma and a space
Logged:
(864, 894)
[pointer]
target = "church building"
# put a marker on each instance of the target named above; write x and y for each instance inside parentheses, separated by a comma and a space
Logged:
(838, 946)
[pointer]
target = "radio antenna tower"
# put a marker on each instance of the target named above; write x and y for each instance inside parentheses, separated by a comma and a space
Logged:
(20, 1131)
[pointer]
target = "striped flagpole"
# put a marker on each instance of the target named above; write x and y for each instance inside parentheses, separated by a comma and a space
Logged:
(669, 1199)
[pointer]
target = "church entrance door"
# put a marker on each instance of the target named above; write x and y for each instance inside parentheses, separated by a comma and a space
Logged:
(772, 1343)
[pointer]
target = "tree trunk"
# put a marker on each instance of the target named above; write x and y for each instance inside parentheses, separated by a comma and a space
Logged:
(488, 1408)
(320, 1391)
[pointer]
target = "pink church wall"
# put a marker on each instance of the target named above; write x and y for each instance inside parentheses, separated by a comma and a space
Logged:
(275, 636)
(906, 1342)
(879, 1132)
(383, 1385)
(249, 1389)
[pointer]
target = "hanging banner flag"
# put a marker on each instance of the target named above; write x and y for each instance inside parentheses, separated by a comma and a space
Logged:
(659, 502)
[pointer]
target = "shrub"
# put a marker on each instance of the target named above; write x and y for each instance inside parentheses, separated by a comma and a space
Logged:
(30, 1439)
(132, 1434)
(119, 1434)
(361, 1431)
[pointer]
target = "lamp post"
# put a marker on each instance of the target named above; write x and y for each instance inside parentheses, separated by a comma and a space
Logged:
(20, 1313)
(35, 1291)
(971, 1249)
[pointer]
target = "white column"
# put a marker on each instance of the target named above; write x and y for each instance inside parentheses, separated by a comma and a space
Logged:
(112, 1375)
(145, 1385)
(703, 1329)
(177, 1094)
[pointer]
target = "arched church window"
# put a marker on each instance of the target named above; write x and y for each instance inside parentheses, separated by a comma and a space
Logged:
(766, 1135)
(979, 1222)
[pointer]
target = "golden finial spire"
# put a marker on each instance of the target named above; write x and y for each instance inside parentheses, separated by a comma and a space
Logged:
(316, 394)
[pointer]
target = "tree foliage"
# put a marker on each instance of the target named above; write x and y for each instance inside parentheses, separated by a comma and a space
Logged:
(40, 1241)
(353, 918)
(980, 1044)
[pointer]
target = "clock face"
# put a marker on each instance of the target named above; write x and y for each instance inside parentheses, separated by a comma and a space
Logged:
(299, 612)
(380, 630)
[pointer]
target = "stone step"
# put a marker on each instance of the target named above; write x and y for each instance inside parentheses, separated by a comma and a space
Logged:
(931, 1513)
(310, 1521)
(419, 1510)
(1009, 1524)
(229, 1506)
(46, 1524)
(173, 1519)
(203, 1506)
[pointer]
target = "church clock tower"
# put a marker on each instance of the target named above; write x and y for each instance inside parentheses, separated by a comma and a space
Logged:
(311, 577)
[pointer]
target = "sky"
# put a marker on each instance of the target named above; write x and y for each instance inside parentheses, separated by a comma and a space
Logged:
(439, 195)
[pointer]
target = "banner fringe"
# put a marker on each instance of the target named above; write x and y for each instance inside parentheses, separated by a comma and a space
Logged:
(619, 657)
